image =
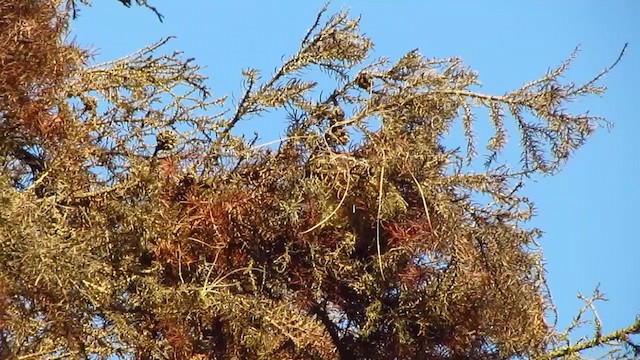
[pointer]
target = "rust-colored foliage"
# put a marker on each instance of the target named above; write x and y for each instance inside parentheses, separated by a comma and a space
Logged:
(33, 62)
(135, 226)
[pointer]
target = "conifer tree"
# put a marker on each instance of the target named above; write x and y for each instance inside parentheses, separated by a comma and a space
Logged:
(136, 223)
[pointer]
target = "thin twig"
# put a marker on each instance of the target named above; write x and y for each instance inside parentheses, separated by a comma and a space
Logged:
(344, 196)
(620, 335)
(380, 190)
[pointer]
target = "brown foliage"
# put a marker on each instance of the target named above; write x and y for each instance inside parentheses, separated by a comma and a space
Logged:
(342, 240)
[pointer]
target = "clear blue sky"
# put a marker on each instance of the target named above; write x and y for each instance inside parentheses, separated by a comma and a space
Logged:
(588, 212)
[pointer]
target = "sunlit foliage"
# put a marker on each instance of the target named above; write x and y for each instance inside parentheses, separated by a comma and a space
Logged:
(136, 222)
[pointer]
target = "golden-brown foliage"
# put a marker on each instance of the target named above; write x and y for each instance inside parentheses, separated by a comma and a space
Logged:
(34, 63)
(345, 239)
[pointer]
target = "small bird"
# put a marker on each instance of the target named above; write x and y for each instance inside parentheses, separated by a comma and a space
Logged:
(364, 81)
(165, 140)
(337, 134)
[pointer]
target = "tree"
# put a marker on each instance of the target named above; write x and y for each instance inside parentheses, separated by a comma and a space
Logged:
(136, 223)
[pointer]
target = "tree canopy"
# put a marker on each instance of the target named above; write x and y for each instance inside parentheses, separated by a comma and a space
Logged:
(136, 223)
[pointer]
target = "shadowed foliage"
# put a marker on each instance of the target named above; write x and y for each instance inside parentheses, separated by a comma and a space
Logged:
(135, 222)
